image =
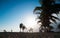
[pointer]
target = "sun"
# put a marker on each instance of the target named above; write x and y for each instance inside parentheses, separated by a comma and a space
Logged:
(30, 21)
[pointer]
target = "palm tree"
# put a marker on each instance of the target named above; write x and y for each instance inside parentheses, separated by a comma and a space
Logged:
(21, 25)
(47, 9)
(23, 28)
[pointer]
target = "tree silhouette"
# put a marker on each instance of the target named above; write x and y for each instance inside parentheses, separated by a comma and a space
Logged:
(22, 27)
(31, 30)
(4, 30)
(48, 7)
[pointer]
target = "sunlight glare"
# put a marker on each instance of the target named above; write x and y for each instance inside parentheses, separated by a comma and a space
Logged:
(30, 21)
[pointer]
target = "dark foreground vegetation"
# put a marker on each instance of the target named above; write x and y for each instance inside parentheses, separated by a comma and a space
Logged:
(29, 35)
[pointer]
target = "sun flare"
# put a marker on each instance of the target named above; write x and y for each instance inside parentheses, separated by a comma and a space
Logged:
(30, 21)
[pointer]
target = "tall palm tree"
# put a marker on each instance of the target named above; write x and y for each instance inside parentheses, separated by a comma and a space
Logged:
(47, 9)
(21, 25)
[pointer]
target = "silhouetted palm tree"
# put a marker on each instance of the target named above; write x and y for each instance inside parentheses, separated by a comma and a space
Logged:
(47, 9)
(23, 28)
(21, 25)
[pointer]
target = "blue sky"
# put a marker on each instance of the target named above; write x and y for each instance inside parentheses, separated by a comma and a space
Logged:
(13, 12)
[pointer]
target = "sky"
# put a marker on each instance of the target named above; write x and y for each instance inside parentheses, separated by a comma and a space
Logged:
(14, 12)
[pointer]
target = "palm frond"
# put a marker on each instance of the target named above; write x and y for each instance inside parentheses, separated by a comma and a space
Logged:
(38, 21)
(39, 17)
(37, 13)
(56, 13)
(54, 20)
(51, 27)
(37, 8)
(55, 17)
